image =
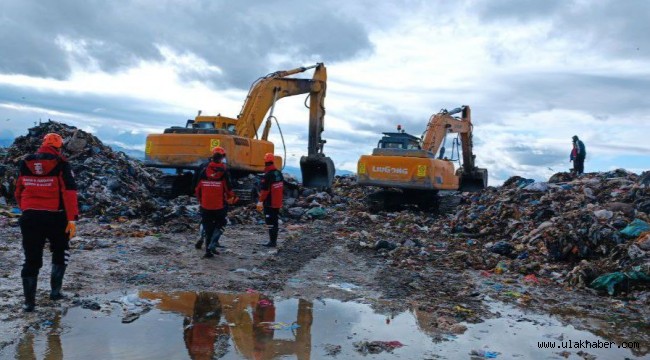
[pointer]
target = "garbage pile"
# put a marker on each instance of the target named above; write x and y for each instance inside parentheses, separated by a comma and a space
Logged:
(304, 204)
(111, 185)
(592, 231)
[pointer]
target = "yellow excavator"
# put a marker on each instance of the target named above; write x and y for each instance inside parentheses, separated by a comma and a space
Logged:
(187, 148)
(413, 170)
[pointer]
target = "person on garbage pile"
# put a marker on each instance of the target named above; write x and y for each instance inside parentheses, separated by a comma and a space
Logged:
(46, 194)
(270, 200)
(578, 155)
(214, 193)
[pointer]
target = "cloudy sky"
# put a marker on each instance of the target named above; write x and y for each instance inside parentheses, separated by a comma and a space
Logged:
(534, 72)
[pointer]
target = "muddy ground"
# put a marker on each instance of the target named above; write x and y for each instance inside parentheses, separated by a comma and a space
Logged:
(314, 260)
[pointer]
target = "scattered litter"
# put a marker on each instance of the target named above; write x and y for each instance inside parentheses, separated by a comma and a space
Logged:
(344, 286)
(376, 347)
(619, 281)
(331, 349)
(130, 317)
(484, 354)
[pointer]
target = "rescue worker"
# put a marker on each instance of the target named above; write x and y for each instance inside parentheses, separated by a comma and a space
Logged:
(270, 200)
(214, 192)
(578, 155)
(46, 194)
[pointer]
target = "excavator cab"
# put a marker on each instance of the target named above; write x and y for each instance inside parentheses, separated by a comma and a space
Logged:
(399, 140)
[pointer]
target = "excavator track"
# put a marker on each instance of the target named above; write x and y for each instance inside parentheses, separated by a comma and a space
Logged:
(395, 199)
(171, 186)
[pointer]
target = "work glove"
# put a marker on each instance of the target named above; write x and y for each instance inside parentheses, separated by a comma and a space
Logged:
(71, 229)
(232, 200)
(260, 206)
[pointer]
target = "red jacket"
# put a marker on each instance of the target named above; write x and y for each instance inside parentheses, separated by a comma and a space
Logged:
(272, 188)
(46, 182)
(213, 187)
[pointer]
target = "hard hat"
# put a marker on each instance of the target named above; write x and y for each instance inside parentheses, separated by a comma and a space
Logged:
(219, 150)
(269, 158)
(53, 139)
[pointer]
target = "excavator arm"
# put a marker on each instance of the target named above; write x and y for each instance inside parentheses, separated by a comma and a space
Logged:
(269, 89)
(442, 123)
(317, 169)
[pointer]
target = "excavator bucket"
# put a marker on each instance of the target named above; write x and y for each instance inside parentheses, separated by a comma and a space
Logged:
(474, 181)
(317, 171)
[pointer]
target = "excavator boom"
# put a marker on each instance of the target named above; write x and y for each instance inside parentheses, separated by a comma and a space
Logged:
(317, 169)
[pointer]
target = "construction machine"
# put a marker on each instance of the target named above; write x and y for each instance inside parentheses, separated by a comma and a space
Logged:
(187, 148)
(413, 170)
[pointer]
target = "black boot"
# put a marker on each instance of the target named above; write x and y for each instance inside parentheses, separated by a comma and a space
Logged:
(273, 238)
(29, 289)
(199, 244)
(56, 281)
(214, 242)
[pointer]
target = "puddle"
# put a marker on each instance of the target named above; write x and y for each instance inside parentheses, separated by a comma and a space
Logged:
(190, 325)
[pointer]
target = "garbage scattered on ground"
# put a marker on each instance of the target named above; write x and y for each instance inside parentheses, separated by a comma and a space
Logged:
(376, 347)
(569, 229)
(134, 306)
(331, 349)
(483, 354)
(617, 281)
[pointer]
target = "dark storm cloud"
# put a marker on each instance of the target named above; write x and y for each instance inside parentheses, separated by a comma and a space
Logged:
(235, 36)
(137, 111)
(618, 28)
(533, 156)
(606, 97)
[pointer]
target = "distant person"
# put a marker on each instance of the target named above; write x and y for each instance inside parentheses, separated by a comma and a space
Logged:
(46, 194)
(270, 200)
(214, 193)
(578, 155)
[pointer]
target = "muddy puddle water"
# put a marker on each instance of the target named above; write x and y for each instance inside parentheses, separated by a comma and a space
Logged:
(192, 325)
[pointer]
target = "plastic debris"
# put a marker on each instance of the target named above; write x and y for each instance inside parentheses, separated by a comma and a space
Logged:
(316, 213)
(376, 347)
(531, 278)
(484, 354)
(501, 267)
(619, 281)
(635, 228)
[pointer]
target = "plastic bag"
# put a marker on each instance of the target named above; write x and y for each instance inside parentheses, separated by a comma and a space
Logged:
(635, 228)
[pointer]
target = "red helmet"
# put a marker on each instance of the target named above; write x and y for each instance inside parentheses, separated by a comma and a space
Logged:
(219, 150)
(53, 139)
(269, 158)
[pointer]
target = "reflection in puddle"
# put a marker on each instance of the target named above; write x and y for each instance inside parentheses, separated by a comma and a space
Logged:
(190, 325)
(212, 321)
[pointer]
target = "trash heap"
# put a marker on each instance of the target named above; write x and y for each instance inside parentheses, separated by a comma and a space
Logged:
(111, 185)
(591, 231)
(304, 204)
